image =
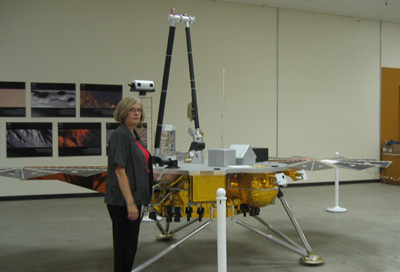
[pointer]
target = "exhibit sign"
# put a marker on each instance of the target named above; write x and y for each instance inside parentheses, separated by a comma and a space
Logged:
(99, 100)
(53, 99)
(79, 139)
(29, 140)
(12, 99)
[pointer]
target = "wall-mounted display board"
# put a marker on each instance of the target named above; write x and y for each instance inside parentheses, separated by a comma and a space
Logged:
(110, 127)
(79, 139)
(141, 129)
(53, 99)
(29, 140)
(99, 100)
(146, 130)
(12, 99)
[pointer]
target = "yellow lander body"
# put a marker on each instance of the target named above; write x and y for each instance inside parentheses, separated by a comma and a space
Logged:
(191, 192)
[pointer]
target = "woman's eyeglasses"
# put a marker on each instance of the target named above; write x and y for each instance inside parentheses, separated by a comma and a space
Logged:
(136, 110)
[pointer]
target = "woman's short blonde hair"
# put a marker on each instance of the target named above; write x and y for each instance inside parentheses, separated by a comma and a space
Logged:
(123, 108)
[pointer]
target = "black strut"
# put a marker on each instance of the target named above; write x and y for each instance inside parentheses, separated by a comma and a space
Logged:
(192, 80)
(164, 87)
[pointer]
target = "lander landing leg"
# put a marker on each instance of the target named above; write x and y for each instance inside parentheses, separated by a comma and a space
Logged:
(171, 247)
(307, 255)
(166, 234)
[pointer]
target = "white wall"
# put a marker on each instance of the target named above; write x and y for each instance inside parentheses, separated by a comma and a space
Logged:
(390, 45)
(329, 82)
(315, 94)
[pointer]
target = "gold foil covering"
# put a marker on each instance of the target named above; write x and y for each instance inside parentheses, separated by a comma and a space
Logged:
(257, 190)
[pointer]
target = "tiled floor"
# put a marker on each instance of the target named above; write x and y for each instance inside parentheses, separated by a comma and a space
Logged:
(75, 235)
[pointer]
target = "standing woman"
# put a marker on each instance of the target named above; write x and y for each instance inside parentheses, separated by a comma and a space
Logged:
(129, 182)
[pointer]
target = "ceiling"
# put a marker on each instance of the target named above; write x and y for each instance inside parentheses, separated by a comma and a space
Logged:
(381, 10)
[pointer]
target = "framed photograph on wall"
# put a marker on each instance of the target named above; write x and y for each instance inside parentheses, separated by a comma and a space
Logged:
(79, 139)
(12, 99)
(110, 127)
(53, 99)
(99, 100)
(141, 130)
(29, 140)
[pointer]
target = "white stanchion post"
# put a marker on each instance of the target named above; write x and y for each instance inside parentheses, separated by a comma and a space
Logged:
(221, 230)
(337, 208)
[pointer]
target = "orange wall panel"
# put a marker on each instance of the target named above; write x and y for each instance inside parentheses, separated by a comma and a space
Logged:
(390, 109)
(390, 121)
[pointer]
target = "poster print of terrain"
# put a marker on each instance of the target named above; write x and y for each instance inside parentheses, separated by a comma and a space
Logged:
(29, 140)
(53, 99)
(79, 139)
(141, 129)
(110, 127)
(12, 99)
(99, 100)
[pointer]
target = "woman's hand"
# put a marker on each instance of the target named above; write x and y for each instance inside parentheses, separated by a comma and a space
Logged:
(133, 212)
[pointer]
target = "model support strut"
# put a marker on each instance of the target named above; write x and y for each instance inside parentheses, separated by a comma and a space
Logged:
(170, 248)
(308, 257)
(193, 85)
(164, 89)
